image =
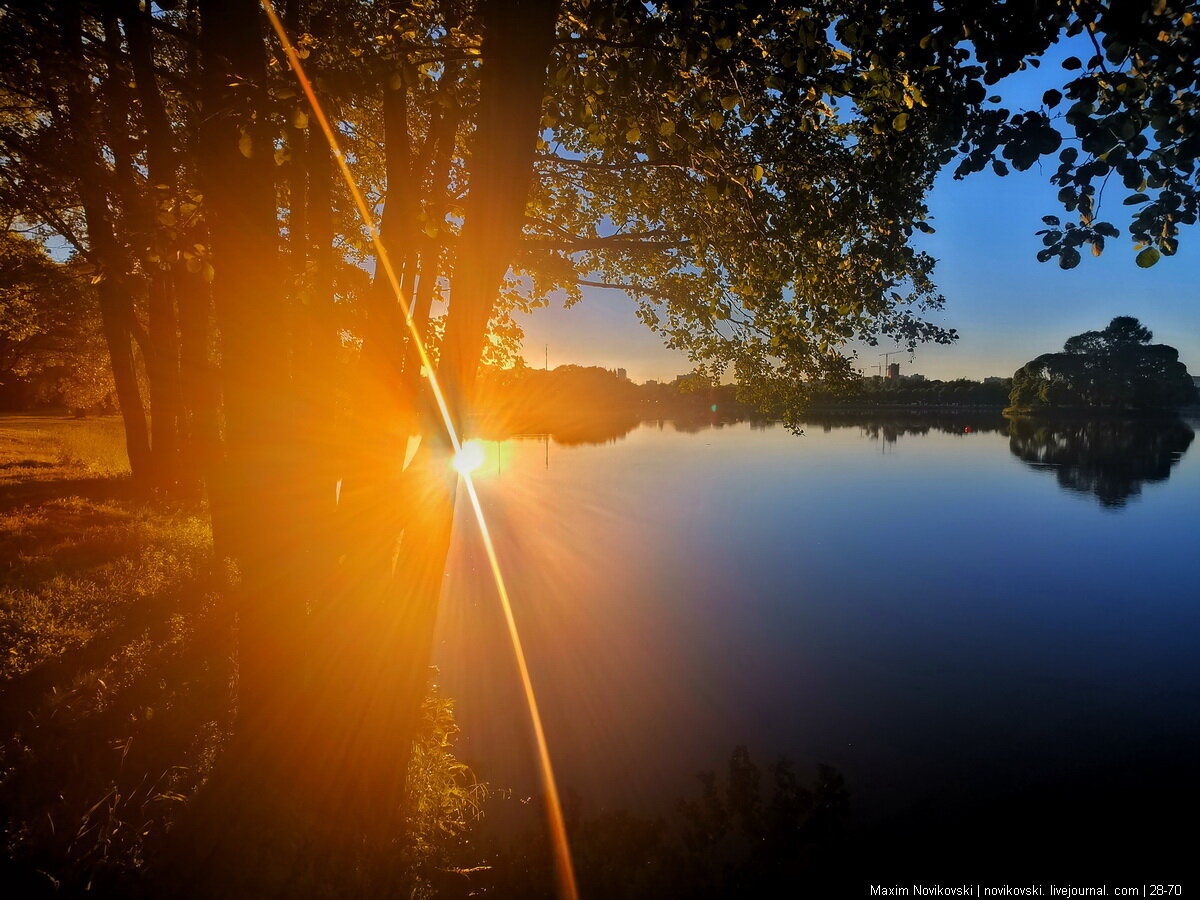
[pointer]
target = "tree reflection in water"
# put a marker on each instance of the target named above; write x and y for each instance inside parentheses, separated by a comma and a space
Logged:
(892, 425)
(1109, 459)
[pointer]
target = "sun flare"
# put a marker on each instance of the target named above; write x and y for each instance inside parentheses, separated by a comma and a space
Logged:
(470, 456)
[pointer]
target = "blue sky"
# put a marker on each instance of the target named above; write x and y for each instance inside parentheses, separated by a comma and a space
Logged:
(1006, 305)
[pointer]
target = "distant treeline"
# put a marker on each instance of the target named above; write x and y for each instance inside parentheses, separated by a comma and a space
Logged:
(525, 400)
(572, 398)
(875, 392)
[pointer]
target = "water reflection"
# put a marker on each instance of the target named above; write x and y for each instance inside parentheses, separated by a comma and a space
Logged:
(891, 426)
(570, 431)
(748, 831)
(1107, 458)
(981, 656)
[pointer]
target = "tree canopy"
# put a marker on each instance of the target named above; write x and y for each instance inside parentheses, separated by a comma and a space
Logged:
(1115, 368)
(51, 349)
(751, 177)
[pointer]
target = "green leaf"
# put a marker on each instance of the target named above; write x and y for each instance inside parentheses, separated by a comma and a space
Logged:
(246, 145)
(900, 122)
(633, 135)
(759, 172)
(1148, 257)
(717, 119)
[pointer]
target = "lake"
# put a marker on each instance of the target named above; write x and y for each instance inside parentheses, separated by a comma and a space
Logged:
(989, 630)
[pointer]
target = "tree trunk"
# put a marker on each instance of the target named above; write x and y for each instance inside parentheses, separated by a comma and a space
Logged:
(517, 37)
(319, 429)
(116, 305)
(394, 633)
(162, 360)
(237, 175)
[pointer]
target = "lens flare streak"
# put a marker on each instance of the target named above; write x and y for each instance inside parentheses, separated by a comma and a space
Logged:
(462, 456)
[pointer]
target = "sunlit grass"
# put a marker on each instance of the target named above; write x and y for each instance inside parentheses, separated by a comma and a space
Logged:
(92, 447)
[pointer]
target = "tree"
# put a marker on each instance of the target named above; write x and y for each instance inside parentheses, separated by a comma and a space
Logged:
(1117, 368)
(752, 177)
(51, 347)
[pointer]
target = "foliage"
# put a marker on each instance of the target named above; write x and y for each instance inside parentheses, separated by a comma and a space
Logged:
(51, 349)
(738, 173)
(1125, 106)
(751, 177)
(590, 404)
(906, 391)
(1116, 368)
(447, 798)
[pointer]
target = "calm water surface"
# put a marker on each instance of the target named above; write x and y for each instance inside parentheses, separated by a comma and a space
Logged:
(950, 615)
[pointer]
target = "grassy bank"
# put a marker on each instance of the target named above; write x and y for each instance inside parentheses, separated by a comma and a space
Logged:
(116, 659)
(117, 672)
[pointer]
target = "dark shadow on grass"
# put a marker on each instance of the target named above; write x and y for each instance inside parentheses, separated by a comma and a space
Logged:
(14, 495)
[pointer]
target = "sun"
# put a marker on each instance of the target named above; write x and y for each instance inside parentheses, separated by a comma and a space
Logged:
(470, 456)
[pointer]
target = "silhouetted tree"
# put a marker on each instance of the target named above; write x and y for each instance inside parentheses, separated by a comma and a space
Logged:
(1117, 368)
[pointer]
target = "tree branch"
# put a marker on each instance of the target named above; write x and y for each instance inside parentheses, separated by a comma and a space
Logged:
(628, 242)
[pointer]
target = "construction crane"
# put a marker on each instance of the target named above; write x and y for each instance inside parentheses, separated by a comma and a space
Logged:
(887, 357)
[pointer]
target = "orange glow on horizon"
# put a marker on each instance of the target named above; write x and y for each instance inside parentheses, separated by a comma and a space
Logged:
(562, 854)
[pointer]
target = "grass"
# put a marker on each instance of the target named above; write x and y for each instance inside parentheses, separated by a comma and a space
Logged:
(117, 672)
(87, 447)
(114, 657)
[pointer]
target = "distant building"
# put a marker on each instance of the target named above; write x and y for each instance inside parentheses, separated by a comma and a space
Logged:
(893, 371)
(621, 374)
(915, 377)
(652, 382)
(993, 379)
